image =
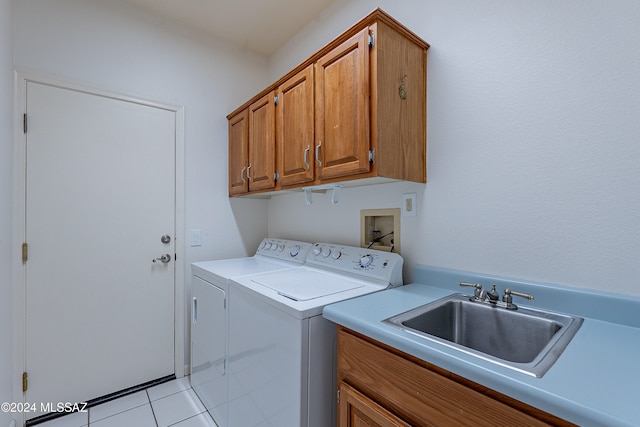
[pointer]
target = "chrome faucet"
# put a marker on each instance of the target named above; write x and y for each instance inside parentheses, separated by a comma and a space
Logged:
(493, 297)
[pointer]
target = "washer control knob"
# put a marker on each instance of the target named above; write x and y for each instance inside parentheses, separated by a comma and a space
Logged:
(294, 251)
(365, 261)
(317, 250)
(280, 248)
(262, 245)
(267, 246)
(326, 252)
(274, 246)
(337, 255)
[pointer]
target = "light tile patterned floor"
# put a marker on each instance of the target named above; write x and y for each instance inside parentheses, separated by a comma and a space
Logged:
(170, 404)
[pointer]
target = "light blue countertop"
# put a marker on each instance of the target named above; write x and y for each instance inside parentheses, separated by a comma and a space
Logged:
(596, 380)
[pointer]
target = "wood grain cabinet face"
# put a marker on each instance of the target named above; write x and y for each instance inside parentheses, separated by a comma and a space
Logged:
(252, 148)
(342, 109)
(357, 410)
(238, 152)
(262, 144)
(381, 386)
(296, 129)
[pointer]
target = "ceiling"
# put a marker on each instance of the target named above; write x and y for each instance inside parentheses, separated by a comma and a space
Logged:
(258, 25)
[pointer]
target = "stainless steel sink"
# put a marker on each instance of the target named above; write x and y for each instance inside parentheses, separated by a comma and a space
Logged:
(527, 340)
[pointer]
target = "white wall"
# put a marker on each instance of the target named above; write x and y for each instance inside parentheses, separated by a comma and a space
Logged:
(108, 44)
(6, 149)
(533, 154)
(111, 45)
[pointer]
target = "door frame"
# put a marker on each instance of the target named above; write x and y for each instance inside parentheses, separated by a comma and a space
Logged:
(21, 79)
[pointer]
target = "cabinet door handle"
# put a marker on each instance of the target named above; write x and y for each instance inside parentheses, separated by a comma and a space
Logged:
(242, 175)
(305, 157)
(249, 172)
(318, 154)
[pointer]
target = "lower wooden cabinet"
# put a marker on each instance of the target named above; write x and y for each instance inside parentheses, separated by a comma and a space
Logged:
(356, 409)
(381, 386)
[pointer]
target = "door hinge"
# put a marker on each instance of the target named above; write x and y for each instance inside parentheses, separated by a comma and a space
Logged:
(338, 393)
(372, 156)
(275, 100)
(25, 252)
(25, 382)
(372, 40)
(24, 122)
(276, 176)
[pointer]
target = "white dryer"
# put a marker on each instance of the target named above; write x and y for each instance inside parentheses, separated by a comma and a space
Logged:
(281, 350)
(210, 289)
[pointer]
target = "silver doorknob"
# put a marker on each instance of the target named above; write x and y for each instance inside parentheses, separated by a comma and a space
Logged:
(163, 258)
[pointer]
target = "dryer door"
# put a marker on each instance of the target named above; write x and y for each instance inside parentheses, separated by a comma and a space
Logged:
(209, 347)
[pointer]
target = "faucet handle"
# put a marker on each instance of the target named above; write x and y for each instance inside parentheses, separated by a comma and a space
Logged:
(508, 298)
(478, 291)
(471, 285)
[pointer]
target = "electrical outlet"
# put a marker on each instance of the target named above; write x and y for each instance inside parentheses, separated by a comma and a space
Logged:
(409, 204)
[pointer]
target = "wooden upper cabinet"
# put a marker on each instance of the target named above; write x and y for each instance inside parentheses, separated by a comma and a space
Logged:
(354, 110)
(238, 152)
(398, 103)
(262, 144)
(295, 125)
(342, 109)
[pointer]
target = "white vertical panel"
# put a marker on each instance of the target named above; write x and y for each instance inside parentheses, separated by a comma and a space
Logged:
(100, 194)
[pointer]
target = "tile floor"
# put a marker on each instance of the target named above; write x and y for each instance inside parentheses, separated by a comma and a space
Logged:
(170, 404)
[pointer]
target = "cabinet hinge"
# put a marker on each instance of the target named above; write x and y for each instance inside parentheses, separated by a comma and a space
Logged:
(275, 100)
(24, 122)
(25, 382)
(25, 252)
(372, 40)
(372, 156)
(276, 176)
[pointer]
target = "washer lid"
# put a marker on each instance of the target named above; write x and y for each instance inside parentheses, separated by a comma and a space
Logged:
(306, 285)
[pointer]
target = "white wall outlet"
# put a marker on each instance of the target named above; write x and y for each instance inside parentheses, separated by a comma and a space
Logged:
(409, 204)
(196, 238)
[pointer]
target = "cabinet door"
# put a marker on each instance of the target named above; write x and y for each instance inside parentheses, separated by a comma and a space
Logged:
(358, 410)
(342, 109)
(238, 153)
(262, 144)
(295, 129)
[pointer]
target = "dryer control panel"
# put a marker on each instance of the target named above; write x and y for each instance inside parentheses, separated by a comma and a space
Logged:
(288, 250)
(369, 263)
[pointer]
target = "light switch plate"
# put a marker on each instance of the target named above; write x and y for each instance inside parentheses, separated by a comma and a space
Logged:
(196, 238)
(409, 204)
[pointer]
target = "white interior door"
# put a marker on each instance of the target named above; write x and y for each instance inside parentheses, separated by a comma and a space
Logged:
(100, 194)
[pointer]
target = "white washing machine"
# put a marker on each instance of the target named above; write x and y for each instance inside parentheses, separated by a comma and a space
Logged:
(282, 352)
(209, 315)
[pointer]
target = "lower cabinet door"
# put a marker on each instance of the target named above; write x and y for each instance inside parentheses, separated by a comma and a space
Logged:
(357, 410)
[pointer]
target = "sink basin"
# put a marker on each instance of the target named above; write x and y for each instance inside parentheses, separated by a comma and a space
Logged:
(527, 340)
